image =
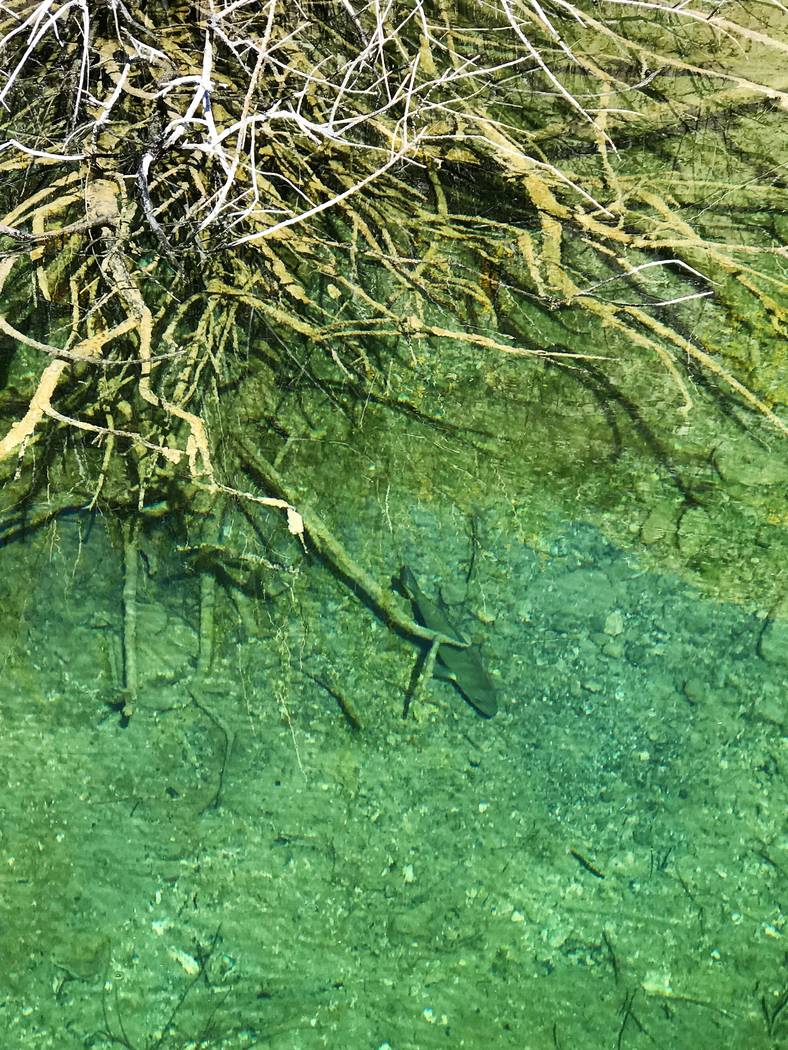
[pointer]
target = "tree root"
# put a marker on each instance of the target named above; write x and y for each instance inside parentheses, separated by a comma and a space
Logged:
(130, 574)
(339, 558)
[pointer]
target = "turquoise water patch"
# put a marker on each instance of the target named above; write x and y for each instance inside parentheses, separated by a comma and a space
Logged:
(238, 865)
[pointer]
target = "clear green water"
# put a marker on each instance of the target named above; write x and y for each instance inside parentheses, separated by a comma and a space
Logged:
(602, 866)
(598, 866)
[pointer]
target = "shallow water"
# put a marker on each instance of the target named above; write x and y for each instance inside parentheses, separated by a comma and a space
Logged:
(257, 849)
(237, 865)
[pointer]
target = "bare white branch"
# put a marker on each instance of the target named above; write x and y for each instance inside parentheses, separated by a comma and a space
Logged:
(400, 82)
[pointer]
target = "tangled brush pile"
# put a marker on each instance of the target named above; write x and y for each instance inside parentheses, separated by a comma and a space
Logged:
(199, 197)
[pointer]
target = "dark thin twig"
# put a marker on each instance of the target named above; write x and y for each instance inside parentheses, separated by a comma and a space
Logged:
(147, 207)
(611, 955)
(329, 684)
(202, 961)
(216, 799)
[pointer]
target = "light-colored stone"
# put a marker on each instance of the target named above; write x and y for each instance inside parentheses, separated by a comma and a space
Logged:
(660, 523)
(743, 463)
(694, 531)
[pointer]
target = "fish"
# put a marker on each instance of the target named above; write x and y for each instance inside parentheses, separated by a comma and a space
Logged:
(463, 667)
